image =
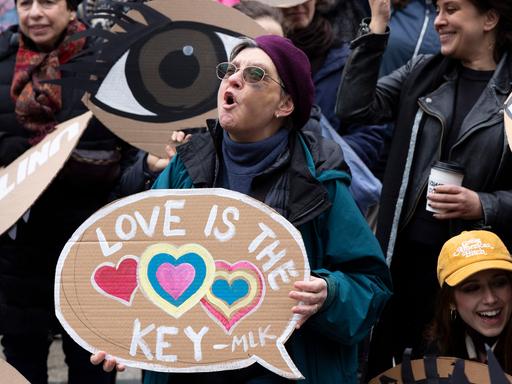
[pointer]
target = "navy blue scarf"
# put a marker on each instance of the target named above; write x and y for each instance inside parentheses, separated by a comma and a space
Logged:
(244, 161)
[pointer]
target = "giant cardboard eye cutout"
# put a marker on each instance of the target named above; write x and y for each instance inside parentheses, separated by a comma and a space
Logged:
(155, 71)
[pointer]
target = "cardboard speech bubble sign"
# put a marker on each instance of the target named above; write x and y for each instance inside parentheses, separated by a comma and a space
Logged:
(507, 115)
(183, 281)
(154, 73)
(22, 181)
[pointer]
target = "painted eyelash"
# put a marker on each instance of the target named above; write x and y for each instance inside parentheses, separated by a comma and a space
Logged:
(97, 60)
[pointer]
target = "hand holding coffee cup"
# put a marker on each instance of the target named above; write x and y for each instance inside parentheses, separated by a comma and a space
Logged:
(443, 173)
(450, 201)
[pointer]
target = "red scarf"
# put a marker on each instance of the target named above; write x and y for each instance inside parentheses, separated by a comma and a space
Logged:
(36, 102)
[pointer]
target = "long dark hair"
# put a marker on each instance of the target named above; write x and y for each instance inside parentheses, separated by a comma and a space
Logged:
(504, 27)
(449, 334)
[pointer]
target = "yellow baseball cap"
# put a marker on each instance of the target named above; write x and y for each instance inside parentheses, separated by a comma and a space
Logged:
(471, 252)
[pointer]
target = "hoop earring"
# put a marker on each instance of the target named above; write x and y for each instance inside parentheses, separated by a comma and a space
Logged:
(453, 314)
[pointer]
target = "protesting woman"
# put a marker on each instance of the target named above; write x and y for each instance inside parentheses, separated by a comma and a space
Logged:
(256, 147)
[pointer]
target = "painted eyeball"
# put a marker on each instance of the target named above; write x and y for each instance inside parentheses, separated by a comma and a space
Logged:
(149, 83)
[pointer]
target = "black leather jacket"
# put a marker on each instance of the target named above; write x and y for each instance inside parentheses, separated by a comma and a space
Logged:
(481, 146)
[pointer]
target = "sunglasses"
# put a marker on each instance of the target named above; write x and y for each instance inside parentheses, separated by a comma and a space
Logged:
(251, 74)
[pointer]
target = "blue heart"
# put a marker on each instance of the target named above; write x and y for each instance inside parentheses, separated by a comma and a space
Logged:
(230, 293)
(192, 258)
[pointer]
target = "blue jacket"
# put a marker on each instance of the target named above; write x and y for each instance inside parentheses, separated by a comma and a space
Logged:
(365, 140)
(412, 33)
(365, 188)
(340, 246)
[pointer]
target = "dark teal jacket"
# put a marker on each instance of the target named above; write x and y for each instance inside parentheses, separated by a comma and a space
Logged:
(341, 249)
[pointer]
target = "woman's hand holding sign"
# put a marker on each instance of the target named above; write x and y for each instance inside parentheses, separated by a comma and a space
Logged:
(311, 294)
(108, 363)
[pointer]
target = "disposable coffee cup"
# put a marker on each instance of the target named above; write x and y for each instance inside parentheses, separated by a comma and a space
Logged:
(443, 173)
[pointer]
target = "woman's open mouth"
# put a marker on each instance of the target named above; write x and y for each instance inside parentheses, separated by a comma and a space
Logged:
(229, 99)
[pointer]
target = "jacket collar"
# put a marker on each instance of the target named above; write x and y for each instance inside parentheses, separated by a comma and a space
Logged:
(487, 108)
(501, 79)
(306, 197)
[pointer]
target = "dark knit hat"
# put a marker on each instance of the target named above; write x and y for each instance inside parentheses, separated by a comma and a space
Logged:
(294, 70)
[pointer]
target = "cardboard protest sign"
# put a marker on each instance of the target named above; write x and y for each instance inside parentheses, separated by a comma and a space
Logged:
(183, 281)
(508, 120)
(22, 181)
(155, 71)
(475, 372)
(10, 375)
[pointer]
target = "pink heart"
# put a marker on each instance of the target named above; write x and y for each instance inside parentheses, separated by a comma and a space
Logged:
(118, 281)
(175, 279)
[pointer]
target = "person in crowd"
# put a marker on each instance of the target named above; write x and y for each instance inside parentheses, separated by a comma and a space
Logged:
(474, 305)
(307, 26)
(257, 147)
(265, 15)
(29, 109)
(344, 16)
(446, 107)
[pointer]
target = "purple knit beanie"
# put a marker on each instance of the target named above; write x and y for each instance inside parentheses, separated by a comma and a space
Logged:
(295, 72)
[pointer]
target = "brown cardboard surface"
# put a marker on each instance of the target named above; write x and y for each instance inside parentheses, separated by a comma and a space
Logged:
(22, 181)
(475, 372)
(507, 115)
(8, 374)
(123, 110)
(183, 281)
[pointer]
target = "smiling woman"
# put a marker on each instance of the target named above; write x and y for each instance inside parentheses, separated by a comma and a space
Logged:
(44, 21)
(475, 302)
